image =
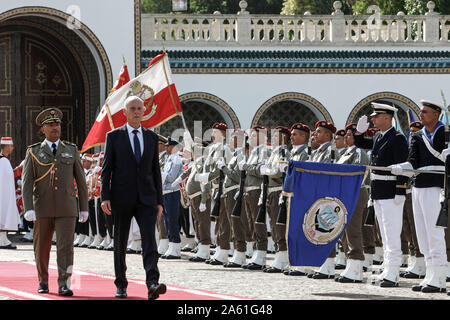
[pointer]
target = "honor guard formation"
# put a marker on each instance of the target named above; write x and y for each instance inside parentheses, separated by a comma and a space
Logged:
(225, 199)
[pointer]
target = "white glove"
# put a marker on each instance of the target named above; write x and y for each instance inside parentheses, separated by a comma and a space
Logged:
(176, 182)
(444, 154)
(399, 169)
(362, 124)
(221, 164)
(201, 177)
(442, 196)
(83, 216)
(396, 169)
(30, 215)
(242, 164)
(202, 207)
(399, 199)
(283, 167)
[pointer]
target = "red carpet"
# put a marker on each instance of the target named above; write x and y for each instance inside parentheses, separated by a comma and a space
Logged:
(18, 280)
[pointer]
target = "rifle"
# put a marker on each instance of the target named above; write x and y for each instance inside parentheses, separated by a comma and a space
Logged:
(370, 218)
(442, 220)
(261, 217)
(215, 212)
(282, 213)
(238, 205)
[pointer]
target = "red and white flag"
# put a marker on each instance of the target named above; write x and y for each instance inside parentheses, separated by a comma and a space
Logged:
(155, 86)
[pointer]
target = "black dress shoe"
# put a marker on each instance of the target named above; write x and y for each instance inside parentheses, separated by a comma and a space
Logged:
(432, 289)
(254, 266)
(376, 262)
(319, 275)
(417, 288)
(342, 279)
(232, 265)
(171, 257)
(296, 273)
(196, 259)
(9, 246)
(215, 262)
(339, 267)
(121, 293)
(272, 270)
(385, 283)
(411, 275)
(25, 240)
(65, 291)
(155, 290)
(43, 288)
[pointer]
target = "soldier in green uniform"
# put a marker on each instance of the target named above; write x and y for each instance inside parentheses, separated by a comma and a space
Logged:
(49, 198)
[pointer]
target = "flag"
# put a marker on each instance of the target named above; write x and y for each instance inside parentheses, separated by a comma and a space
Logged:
(95, 136)
(321, 200)
(155, 86)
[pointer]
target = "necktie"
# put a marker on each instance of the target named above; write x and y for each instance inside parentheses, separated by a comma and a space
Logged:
(137, 147)
(54, 149)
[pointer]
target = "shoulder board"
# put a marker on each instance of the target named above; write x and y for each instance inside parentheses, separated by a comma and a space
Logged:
(34, 145)
(69, 143)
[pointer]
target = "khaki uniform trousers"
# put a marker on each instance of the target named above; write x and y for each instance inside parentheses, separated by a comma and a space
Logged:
(223, 226)
(259, 230)
(202, 220)
(42, 242)
(239, 225)
(278, 231)
(408, 235)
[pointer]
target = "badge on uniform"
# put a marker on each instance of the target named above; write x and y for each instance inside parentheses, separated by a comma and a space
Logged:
(66, 155)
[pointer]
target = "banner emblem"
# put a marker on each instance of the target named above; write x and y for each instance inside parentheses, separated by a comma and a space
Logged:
(325, 220)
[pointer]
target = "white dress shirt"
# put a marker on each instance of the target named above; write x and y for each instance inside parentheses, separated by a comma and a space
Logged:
(139, 135)
(50, 144)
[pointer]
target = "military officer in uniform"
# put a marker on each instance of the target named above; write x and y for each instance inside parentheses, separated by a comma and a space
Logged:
(339, 142)
(427, 153)
(352, 237)
(388, 191)
(49, 198)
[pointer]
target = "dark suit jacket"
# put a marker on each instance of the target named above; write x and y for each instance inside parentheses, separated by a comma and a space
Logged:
(419, 157)
(123, 181)
(390, 149)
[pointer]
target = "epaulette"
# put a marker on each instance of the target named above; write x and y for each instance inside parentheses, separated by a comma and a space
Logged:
(34, 145)
(70, 143)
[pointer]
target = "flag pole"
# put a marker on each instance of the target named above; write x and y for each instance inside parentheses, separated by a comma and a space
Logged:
(171, 95)
(108, 112)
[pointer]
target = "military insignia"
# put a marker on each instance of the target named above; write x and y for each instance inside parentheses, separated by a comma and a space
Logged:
(146, 94)
(66, 155)
(325, 220)
(42, 155)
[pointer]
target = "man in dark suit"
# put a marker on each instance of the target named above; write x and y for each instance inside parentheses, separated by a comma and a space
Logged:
(131, 186)
(388, 191)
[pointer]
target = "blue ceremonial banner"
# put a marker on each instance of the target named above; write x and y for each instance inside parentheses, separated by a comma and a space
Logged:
(322, 197)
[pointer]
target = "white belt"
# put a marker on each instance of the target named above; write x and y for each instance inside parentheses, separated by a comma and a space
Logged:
(248, 189)
(215, 186)
(169, 191)
(226, 190)
(435, 168)
(274, 189)
(192, 196)
(374, 176)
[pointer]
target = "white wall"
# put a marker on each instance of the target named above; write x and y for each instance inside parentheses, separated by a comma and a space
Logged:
(338, 93)
(111, 21)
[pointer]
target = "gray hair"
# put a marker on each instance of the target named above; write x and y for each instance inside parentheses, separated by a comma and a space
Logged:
(132, 99)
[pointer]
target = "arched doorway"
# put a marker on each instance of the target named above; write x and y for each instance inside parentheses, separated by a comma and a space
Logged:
(402, 103)
(45, 64)
(204, 107)
(288, 108)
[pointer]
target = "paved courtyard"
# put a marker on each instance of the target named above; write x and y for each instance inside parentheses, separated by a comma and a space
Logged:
(237, 282)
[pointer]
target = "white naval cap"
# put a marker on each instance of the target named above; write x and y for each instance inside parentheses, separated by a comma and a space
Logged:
(436, 106)
(379, 108)
(6, 140)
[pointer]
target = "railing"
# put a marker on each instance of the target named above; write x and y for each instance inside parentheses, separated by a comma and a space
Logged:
(335, 29)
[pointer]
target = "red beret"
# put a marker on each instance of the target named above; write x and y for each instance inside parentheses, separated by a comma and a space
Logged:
(326, 125)
(220, 126)
(260, 128)
(284, 130)
(300, 126)
(416, 124)
(350, 126)
(340, 133)
(371, 132)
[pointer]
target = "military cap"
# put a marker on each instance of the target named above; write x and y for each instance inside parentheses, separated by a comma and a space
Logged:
(284, 130)
(350, 126)
(300, 126)
(416, 124)
(87, 156)
(171, 142)
(380, 108)
(326, 125)
(259, 128)
(101, 155)
(49, 115)
(435, 106)
(219, 126)
(340, 133)
(6, 141)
